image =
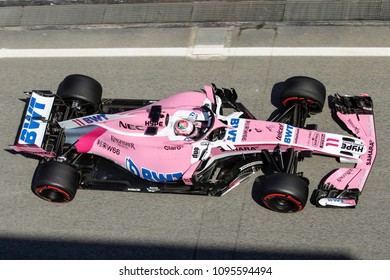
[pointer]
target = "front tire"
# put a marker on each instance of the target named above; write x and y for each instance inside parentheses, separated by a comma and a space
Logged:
(309, 90)
(55, 181)
(284, 192)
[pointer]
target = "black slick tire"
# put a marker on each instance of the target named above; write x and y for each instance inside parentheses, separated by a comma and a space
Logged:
(83, 89)
(284, 192)
(307, 89)
(55, 181)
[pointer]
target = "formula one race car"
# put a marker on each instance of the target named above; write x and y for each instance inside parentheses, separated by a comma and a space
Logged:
(196, 142)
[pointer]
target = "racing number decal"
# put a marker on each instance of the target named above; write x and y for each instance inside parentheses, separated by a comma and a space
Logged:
(332, 142)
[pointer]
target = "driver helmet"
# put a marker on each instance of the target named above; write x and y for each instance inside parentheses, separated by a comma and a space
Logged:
(184, 127)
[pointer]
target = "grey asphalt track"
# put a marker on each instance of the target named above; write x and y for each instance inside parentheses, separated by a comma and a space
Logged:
(114, 225)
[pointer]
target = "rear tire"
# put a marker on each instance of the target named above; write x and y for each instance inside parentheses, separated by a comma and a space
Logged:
(306, 89)
(83, 89)
(284, 192)
(55, 181)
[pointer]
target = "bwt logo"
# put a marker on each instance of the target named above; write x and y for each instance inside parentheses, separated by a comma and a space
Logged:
(289, 134)
(151, 175)
(232, 134)
(95, 118)
(90, 119)
(31, 121)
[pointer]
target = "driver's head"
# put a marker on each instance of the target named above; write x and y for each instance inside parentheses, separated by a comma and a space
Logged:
(184, 128)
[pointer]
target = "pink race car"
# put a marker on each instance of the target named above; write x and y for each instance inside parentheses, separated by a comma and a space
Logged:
(196, 142)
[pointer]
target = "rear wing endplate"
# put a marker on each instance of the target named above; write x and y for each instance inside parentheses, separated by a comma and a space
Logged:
(34, 124)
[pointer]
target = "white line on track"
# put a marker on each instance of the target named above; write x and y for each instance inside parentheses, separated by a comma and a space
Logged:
(197, 51)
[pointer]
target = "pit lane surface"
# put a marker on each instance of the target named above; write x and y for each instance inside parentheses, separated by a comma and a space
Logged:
(115, 225)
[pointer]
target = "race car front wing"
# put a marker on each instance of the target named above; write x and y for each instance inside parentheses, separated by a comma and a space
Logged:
(342, 187)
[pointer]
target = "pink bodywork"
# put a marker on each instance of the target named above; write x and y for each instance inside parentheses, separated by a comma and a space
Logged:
(355, 178)
(166, 156)
(163, 156)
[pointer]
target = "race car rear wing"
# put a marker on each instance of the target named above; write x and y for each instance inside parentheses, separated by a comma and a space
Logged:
(342, 187)
(32, 131)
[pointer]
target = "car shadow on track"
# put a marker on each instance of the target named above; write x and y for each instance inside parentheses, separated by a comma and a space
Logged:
(39, 249)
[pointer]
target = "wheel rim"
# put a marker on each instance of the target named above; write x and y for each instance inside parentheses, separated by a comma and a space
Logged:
(282, 203)
(85, 107)
(53, 194)
(313, 104)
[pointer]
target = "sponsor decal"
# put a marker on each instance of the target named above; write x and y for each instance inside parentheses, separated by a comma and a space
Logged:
(296, 135)
(340, 202)
(195, 152)
(151, 175)
(371, 130)
(123, 144)
(133, 189)
(153, 189)
(246, 149)
(322, 140)
(356, 130)
(288, 134)
(315, 140)
(240, 149)
(90, 119)
(130, 126)
(318, 139)
(95, 118)
(108, 147)
(279, 133)
(345, 174)
(232, 134)
(246, 130)
(370, 152)
(31, 121)
(350, 146)
(153, 124)
(173, 148)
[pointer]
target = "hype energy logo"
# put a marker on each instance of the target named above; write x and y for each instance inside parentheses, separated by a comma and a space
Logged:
(151, 175)
(34, 124)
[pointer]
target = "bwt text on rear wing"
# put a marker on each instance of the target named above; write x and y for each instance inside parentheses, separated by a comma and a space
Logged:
(32, 131)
